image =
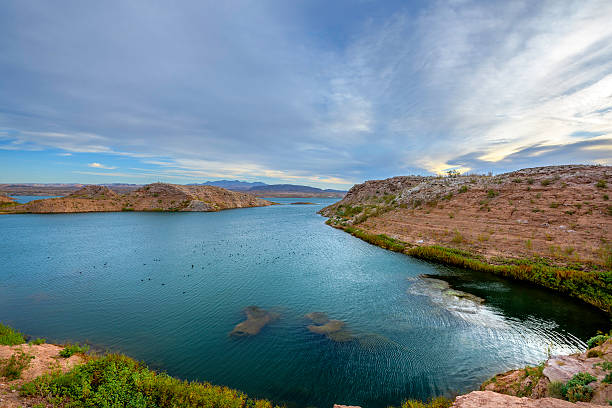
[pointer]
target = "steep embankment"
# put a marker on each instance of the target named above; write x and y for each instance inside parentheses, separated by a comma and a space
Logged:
(152, 197)
(549, 225)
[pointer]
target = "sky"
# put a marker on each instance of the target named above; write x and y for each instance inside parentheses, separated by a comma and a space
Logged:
(322, 93)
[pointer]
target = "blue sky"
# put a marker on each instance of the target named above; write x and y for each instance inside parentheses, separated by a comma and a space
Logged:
(306, 92)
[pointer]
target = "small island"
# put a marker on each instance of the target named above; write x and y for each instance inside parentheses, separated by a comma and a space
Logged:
(152, 197)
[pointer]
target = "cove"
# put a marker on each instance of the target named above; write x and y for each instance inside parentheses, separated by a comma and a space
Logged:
(168, 288)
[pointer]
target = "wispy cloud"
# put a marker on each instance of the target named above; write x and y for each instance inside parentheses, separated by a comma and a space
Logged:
(101, 166)
(280, 93)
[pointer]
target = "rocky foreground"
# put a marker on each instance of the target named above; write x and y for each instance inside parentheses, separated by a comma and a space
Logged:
(152, 197)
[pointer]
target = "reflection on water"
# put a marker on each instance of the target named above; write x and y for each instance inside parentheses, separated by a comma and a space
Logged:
(167, 288)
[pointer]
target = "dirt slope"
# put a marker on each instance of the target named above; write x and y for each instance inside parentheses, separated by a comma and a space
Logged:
(45, 359)
(562, 213)
(152, 197)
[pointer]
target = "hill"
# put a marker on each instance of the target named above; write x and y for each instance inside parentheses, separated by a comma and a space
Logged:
(152, 197)
(547, 217)
(235, 185)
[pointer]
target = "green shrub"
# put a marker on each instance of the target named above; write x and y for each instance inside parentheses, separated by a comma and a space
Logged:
(439, 402)
(577, 389)
(492, 194)
(10, 336)
(546, 182)
(554, 205)
(72, 349)
(118, 381)
(601, 184)
(12, 367)
(607, 379)
(37, 342)
(593, 287)
(463, 189)
(380, 240)
(597, 340)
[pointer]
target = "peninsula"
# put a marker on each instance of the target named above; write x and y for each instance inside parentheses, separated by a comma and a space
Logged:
(551, 226)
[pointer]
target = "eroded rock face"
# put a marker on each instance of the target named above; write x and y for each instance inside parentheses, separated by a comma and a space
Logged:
(489, 399)
(257, 318)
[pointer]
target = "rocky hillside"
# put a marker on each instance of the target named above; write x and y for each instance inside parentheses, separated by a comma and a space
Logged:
(4, 199)
(560, 213)
(152, 197)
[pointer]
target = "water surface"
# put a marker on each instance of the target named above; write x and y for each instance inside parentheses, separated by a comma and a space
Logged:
(168, 288)
(22, 199)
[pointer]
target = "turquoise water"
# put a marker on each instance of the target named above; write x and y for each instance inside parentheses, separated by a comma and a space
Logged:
(27, 199)
(167, 288)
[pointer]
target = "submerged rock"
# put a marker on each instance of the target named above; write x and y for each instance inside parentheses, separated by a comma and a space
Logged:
(317, 317)
(332, 329)
(257, 318)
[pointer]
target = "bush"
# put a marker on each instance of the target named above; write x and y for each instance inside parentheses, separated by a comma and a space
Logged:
(118, 381)
(12, 367)
(10, 336)
(72, 349)
(545, 182)
(593, 287)
(463, 189)
(492, 193)
(597, 340)
(601, 184)
(37, 342)
(577, 389)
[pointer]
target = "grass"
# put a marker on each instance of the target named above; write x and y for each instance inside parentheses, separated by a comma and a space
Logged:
(381, 240)
(12, 367)
(70, 349)
(592, 287)
(463, 189)
(492, 193)
(37, 342)
(118, 381)
(438, 402)
(10, 336)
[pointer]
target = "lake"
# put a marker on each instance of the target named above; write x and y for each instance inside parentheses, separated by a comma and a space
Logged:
(168, 288)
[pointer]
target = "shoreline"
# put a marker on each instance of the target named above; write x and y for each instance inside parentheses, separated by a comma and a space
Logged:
(568, 282)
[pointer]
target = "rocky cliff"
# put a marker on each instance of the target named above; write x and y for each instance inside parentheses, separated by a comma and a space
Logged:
(152, 197)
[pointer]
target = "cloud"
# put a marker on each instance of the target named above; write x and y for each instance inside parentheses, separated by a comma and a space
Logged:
(101, 166)
(309, 93)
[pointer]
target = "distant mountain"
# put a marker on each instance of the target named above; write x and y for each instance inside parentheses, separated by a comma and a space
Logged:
(259, 188)
(292, 188)
(235, 185)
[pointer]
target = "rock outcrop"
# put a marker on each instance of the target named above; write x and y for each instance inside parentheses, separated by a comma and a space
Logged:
(489, 399)
(537, 382)
(152, 197)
